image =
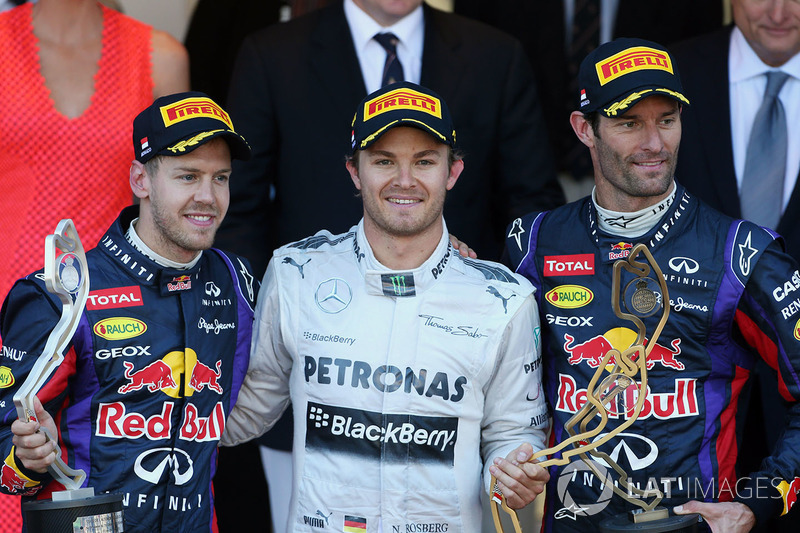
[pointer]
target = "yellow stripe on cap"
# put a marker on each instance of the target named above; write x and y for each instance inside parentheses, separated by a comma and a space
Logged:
(392, 124)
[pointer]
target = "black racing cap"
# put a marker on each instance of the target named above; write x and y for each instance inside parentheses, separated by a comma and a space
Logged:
(176, 124)
(401, 104)
(617, 74)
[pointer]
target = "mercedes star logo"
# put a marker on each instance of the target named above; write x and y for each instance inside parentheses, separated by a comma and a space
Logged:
(333, 295)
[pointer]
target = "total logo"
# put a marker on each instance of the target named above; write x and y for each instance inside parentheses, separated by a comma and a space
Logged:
(164, 375)
(593, 350)
(569, 265)
(119, 328)
(569, 296)
(115, 298)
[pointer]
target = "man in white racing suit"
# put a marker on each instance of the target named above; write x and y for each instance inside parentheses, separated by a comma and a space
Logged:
(413, 372)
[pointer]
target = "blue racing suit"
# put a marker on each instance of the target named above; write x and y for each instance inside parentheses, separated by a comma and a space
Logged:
(733, 296)
(142, 396)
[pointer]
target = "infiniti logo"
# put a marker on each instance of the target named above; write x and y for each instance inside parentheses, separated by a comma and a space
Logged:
(684, 264)
(640, 451)
(212, 289)
(151, 464)
(333, 295)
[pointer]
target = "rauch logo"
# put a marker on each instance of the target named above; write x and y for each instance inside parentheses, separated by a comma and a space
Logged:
(118, 328)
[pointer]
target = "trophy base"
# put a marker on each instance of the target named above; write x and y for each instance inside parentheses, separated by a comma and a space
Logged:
(657, 521)
(75, 510)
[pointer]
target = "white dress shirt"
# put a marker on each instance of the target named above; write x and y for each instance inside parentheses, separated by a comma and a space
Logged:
(410, 31)
(748, 81)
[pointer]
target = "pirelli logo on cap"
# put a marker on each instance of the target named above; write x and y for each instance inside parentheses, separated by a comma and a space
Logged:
(189, 108)
(402, 99)
(632, 60)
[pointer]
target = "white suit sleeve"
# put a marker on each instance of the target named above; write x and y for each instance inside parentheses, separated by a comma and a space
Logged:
(515, 410)
(265, 391)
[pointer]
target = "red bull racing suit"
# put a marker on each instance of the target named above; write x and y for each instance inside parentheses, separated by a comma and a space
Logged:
(403, 383)
(151, 374)
(733, 297)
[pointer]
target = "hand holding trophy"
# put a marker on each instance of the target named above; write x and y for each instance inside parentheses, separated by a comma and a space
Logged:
(628, 368)
(66, 276)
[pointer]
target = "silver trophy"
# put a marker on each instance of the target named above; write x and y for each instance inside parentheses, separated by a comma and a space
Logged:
(74, 509)
(628, 368)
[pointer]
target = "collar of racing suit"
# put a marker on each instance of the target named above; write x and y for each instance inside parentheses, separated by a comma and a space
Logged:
(400, 283)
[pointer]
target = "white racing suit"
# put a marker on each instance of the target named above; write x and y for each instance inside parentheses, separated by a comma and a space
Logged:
(405, 385)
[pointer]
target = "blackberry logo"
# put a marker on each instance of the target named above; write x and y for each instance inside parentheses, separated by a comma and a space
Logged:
(381, 436)
(320, 418)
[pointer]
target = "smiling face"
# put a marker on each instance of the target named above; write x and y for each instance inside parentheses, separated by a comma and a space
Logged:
(403, 178)
(184, 201)
(635, 154)
(771, 27)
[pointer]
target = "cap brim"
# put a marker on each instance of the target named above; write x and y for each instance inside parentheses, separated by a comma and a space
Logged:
(628, 99)
(237, 144)
(402, 122)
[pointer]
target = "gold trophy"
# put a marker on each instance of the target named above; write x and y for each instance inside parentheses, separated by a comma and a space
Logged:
(74, 509)
(629, 370)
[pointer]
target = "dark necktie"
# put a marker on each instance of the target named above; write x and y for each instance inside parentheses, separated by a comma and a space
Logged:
(392, 69)
(765, 163)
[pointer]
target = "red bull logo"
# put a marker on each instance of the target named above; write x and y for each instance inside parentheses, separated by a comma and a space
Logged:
(620, 250)
(681, 402)
(180, 283)
(6, 377)
(190, 108)
(204, 376)
(593, 350)
(119, 328)
(632, 60)
(569, 296)
(155, 376)
(13, 480)
(402, 99)
(789, 493)
(115, 422)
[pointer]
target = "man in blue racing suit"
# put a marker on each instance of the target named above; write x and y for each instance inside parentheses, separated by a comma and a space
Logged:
(154, 368)
(733, 297)
(412, 370)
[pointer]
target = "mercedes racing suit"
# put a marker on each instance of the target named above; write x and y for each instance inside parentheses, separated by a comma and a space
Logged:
(141, 398)
(404, 384)
(733, 296)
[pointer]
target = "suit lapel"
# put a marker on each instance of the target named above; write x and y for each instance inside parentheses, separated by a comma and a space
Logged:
(443, 67)
(712, 107)
(334, 59)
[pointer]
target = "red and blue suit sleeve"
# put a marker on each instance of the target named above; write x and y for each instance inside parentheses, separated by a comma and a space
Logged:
(767, 321)
(28, 317)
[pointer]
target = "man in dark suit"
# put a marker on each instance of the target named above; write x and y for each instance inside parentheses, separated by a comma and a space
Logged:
(724, 75)
(293, 91)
